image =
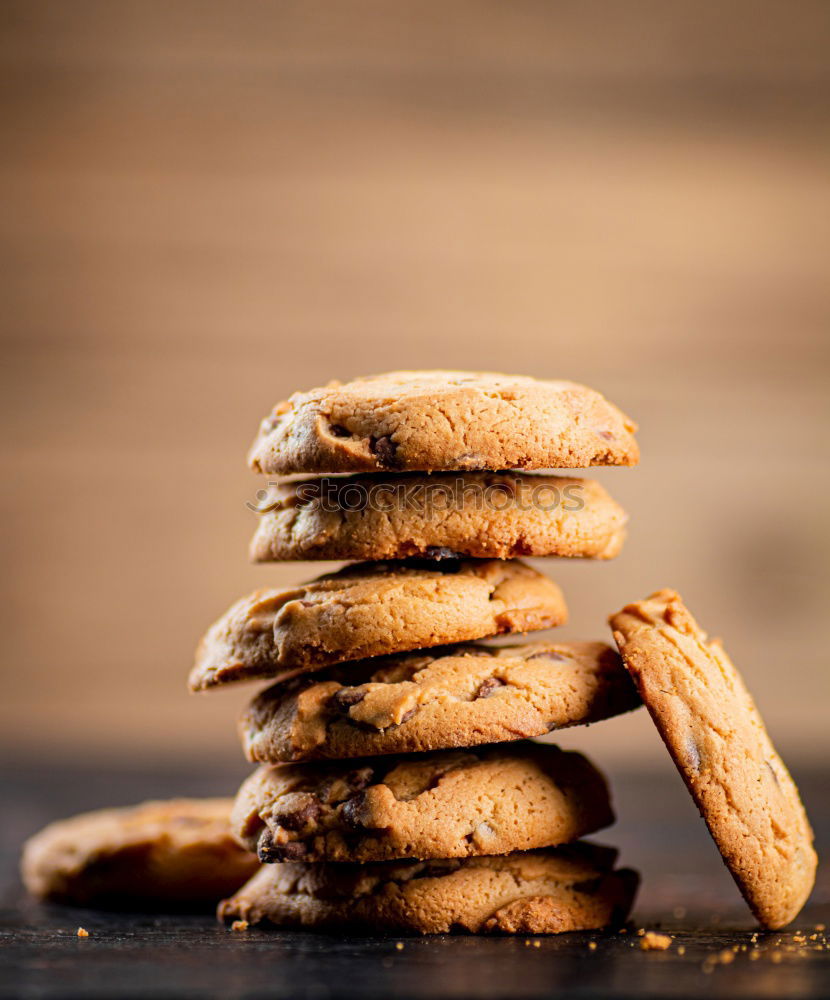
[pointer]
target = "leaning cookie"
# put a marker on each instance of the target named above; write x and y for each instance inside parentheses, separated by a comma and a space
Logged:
(457, 696)
(713, 731)
(175, 853)
(484, 515)
(373, 609)
(571, 888)
(424, 421)
(448, 804)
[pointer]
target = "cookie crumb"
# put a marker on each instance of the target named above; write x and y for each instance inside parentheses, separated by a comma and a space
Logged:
(726, 956)
(681, 950)
(83, 932)
(537, 944)
(592, 945)
(399, 945)
(239, 925)
(819, 927)
(654, 942)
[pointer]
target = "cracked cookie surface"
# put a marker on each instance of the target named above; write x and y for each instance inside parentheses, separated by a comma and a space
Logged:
(485, 515)
(448, 804)
(717, 739)
(178, 852)
(534, 892)
(443, 420)
(372, 609)
(458, 696)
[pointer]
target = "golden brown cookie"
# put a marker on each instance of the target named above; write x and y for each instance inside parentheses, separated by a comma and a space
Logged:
(424, 421)
(484, 515)
(448, 804)
(457, 696)
(571, 888)
(373, 609)
(176, 853)
(713, 731)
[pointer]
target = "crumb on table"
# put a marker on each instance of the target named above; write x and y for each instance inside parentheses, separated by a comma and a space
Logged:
(649, 941)
(239, 925)
(83, 932)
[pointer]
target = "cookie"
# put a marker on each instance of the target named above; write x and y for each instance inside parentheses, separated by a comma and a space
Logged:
(713, 731)
(424, 421)
(448, 804)
(372, 609)
(484, 515)
(176, 853)
(573, 888)
(458, 696)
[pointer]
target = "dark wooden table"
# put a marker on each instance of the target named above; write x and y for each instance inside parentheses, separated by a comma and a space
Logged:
(685, 892)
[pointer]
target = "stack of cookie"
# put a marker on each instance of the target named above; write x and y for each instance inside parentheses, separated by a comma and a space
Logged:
(398, 788)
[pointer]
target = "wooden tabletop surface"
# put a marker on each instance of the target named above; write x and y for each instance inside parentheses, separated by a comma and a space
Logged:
(686, 893)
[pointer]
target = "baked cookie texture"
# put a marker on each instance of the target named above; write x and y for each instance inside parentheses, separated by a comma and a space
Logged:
(713, 731)
(485, 515)
(456, 696)
(571, 888)
(443, 420)
(372, 609)
(448, 804)
(174, 853)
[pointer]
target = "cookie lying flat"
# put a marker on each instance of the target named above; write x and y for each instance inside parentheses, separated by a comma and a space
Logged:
(373, 609)
(175, 853)
(717, 739)
(458, 696)
(432, 420)
(571, 888)
(448, 804)
(485, 515)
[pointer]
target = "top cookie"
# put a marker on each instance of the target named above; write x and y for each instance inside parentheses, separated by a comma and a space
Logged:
(443, 420)
(179, 852)
(717, 739)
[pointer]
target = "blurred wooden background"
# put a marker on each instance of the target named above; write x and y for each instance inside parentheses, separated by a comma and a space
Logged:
(210, 204)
